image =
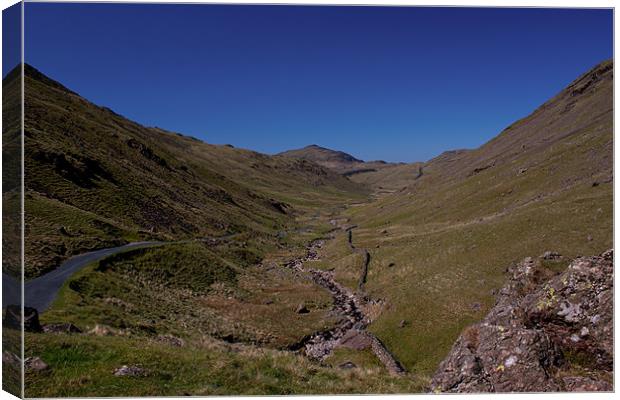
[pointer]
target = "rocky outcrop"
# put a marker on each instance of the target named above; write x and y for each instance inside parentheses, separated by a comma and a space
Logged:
(13, 318)
(545, 333)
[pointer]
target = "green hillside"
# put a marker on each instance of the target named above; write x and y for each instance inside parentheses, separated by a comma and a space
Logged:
(441, 245)
(95, 179)
(260, 254)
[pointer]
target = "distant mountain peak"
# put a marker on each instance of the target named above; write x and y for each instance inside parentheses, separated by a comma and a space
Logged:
(319, 154)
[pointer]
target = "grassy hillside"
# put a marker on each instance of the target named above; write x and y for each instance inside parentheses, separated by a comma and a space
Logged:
(11, 173)
(440, 246)
(389, 178)
(95, 179)
(85, 365)
(216, 316)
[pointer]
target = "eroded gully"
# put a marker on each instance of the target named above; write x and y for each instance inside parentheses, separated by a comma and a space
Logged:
(348, 305)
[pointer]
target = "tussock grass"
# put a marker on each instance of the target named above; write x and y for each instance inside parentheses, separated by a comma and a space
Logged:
(82, 365)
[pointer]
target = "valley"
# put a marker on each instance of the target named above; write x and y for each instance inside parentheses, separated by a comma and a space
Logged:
(309, 271)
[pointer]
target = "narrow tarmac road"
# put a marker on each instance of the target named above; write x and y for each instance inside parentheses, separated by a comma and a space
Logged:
(40, 292)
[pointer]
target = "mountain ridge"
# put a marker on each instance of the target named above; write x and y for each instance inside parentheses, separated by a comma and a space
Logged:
(432, 241)
(128, 181)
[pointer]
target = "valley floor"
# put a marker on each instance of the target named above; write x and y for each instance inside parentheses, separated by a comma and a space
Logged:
(279, 275)
(287, 320)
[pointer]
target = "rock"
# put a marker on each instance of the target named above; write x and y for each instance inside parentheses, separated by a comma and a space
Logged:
(575, 309)
(522, 171)
(279, 206)
(355, 340)
(586, 384)
(302, 309)
(13, 318)
(65, 327)
(35, 364)
(402, 323)
(385, 232)
(130, 370)
(101, 330)
(520, 345)
(11, 359)
(589, 238)
(551, 255)
(347, 365)
(171, 340)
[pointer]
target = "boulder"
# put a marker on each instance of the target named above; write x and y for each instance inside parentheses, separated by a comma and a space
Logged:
(576, 309)
(65, 327)
(551, 255)
(523, 343)
(130, 370)
(102, 330)
(171, 340)
(35, 364)
(13, 318)
(355, 340)
(11, 359)
(347, 365)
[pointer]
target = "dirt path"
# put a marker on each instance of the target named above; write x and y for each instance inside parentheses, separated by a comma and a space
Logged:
(348, 306)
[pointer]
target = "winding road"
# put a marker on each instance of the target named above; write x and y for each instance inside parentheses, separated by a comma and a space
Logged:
(40, 292)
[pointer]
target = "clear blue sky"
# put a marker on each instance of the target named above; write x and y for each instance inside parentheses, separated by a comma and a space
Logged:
(399, 84)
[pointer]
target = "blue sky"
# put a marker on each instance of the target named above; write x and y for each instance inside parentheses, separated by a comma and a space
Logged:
(11, 37)
(399, 84)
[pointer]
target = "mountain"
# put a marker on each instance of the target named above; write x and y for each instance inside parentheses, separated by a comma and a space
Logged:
(336, 160)
(96, 179)
(580, 112)
(441, 244)
(379, 175)
(208, 306)
(266, 260)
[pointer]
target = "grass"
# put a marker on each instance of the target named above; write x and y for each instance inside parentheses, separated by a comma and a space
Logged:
(440, 245)
(191, 289)
(441, 272)
(451, 234)
(11, 372)
(360, 358)
(83, 366)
